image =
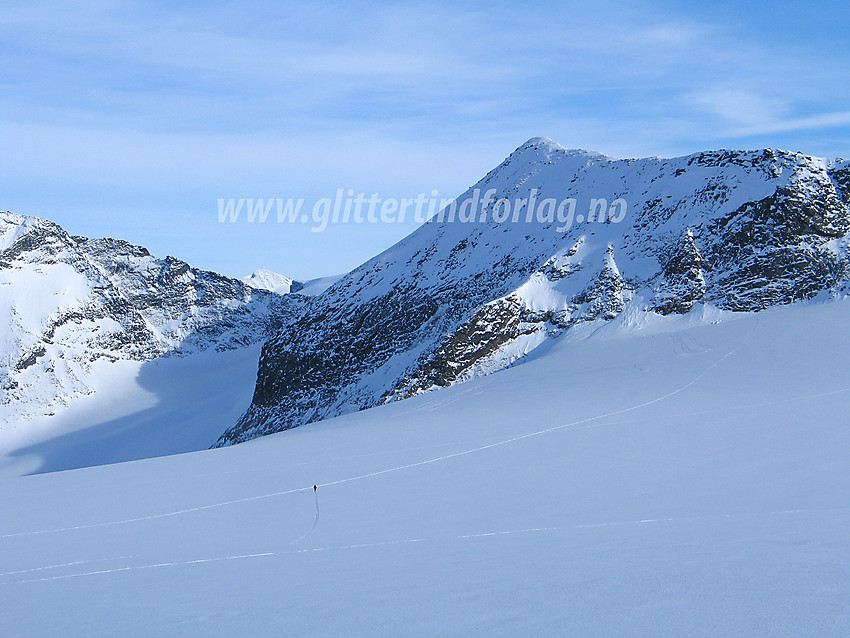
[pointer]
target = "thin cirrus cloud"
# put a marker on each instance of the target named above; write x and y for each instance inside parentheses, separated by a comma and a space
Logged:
(464, 69)
(837, 120)
(109, 103)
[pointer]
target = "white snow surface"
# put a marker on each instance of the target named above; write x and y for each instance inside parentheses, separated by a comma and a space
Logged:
(315, 287)
(648, 476)
(136, 410)
(264, 279)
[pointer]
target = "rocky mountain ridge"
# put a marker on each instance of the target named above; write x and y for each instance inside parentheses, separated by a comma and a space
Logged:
(738, 230)
(70, 303)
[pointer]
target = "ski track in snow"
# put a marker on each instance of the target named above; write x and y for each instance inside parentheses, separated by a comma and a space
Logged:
(42, 574)
(425, 462)
(398, 468)
(474, 536)
(129, 568)
(315, 522)
(59, 566)
(316, 461)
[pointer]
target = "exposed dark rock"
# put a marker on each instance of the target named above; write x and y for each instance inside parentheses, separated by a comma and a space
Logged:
(682, 284)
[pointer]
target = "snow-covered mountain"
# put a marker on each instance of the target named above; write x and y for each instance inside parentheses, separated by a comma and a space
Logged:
(460, 297)
(264, 279)
(70, 304)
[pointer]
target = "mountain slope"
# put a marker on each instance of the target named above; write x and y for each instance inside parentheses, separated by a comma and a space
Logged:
(688, 477)
(734, 229)
(70, 304)
(137, 410)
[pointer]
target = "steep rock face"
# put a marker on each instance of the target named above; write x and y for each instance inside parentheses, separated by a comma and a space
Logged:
(470, 294)
(776, 250)
(68, 302)
(682, 283)
(467, 349)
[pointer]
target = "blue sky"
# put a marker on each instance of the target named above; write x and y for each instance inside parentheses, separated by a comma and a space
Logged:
(132, 119)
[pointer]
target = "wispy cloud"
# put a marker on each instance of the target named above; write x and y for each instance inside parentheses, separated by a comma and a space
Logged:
(824, 121)
(101, 97)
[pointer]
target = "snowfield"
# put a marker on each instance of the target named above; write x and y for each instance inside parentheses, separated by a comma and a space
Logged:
(648, 476)
(137, 410)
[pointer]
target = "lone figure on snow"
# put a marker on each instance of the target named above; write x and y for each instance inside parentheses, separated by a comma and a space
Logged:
(315, 488)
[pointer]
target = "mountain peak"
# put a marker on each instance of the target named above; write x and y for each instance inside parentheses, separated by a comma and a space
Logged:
(541, 141)
(13, 226)
(264, 279)
(461, 297)
(546, 149)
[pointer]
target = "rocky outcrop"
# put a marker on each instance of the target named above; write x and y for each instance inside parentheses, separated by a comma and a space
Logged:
(777, 250)
(682, 283)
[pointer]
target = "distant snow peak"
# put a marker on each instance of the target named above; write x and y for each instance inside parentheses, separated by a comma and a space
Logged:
(264, 279)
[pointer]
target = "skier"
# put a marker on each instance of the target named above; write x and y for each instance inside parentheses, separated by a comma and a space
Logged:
(315, 488)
